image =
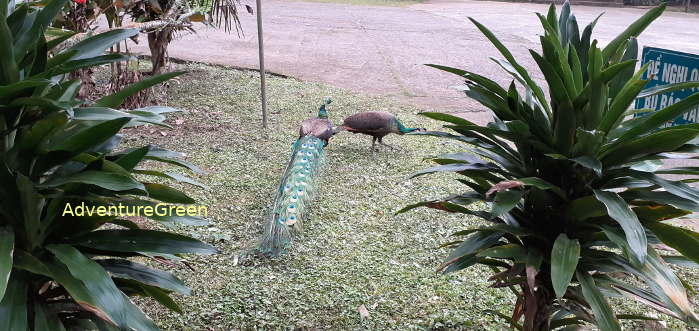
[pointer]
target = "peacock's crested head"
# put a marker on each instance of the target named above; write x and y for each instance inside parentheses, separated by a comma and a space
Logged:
(322, 112)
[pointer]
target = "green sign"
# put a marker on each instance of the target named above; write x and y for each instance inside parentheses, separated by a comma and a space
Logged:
(668, 67)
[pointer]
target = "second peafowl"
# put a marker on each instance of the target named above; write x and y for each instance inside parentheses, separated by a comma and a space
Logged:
(296, 187)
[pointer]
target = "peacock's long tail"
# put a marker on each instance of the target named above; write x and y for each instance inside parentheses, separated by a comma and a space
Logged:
(295, 192)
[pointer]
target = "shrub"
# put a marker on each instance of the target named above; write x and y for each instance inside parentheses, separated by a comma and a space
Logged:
(59, 270)
(573, 181)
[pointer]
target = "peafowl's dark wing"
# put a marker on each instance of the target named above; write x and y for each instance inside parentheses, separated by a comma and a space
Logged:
(371, 122)
(319, 127)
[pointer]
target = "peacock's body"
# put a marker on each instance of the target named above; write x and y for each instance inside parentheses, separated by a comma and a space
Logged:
(297, 185)
(377, 124)
(320, 126)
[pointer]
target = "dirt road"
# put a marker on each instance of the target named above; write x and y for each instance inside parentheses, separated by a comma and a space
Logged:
(381, 50)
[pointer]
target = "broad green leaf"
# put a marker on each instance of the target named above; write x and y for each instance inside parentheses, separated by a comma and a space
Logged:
(57, 36)
(131, 159)
(677, 188)
(481, 80)
(7, 92)
(26, 41)
(74, 65)
(91, 136)
(77, 289)
(683, 240)
(454, 167)
(590, 163)
(662, 197)
(45, 320)
(666, 285)
(617, 83)
(632, 30)
(141, 273)
(172, 175)
(619, 210)
(157, 110)
(598, 94)
(647, 165)
(106, 165)
(655, 213)
(100, 286)
(36, 136)
(167, 156)
(680, 261)
(609, 73)
(116, 99)
(28, 262)
(576, 67)
(143, 240)
(655, 120)
(447, 118)
(587, 142)
(96, 45)
(106, 180)
(162, 297)
(600, 307)
(564, 261)
(508, 251)
(542, 185)
(661, 141)
(623, 100)
(106, 114)
(521, 72)
(9, 73)
(13, 306)
(564, 37)
(667, 88)
(584, 208)
(7, 247)
(32, 204)
(464, 254)
(680, 171)
(505, 200)
(167, 194)
(642, 296)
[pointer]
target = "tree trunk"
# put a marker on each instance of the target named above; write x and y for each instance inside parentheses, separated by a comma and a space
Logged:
(686, 5)
(158, 42)
(537, 308)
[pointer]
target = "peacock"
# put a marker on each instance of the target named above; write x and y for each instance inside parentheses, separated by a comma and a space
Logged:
(320, 126)
(377, 124)
(296, 187)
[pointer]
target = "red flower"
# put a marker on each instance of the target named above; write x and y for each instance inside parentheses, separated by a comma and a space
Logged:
(80, 2)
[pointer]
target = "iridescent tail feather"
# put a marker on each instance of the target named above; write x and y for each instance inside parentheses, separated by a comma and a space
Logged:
(295, 192)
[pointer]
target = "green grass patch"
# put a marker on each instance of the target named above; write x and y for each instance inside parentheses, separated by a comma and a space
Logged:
(354, 251)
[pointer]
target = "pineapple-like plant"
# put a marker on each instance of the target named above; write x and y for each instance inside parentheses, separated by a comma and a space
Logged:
(61, 268)
(576, 198)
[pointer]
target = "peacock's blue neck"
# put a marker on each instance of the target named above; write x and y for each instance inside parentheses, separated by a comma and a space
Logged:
(403, 129)
(322, 112)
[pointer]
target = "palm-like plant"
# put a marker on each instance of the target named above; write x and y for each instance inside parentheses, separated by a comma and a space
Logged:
(573, 181)
(58, 269)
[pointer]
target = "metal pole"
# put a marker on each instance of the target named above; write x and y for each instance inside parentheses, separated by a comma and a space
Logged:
(263, 86)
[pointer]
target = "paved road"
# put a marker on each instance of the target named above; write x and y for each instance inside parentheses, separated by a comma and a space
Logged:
(381, 50)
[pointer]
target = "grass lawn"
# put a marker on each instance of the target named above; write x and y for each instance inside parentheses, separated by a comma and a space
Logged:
(354, 252)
